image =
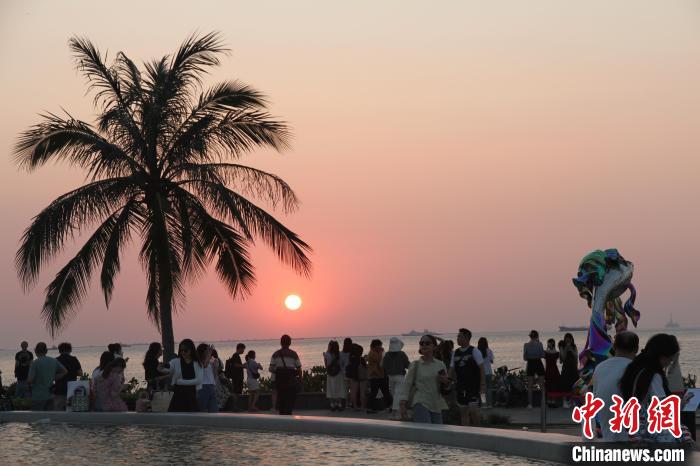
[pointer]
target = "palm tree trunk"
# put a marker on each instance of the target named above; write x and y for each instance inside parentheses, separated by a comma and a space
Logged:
(166, 320)
(165, 283)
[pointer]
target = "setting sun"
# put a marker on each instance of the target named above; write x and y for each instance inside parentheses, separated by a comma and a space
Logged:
(292, 302)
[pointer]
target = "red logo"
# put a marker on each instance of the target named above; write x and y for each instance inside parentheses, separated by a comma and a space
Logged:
(587, 412)
(625, 415)
(665, 415)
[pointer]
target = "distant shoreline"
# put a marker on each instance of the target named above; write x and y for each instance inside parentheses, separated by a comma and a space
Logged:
(488, 332)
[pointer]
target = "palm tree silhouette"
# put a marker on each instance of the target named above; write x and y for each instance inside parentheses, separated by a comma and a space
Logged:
(159, 164)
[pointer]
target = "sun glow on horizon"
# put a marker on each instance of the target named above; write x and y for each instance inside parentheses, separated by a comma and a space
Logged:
(292, 302)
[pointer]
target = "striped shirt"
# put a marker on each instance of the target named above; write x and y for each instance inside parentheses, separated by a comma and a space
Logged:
(284, 358)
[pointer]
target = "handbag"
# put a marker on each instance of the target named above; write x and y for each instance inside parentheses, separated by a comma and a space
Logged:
(296, 382)
(80, 402)
(161, 401)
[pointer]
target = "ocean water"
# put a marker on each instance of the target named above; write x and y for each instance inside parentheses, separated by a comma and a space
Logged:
(506, 346)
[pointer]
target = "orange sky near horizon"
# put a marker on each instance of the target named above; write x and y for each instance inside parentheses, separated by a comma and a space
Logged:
(454, 160)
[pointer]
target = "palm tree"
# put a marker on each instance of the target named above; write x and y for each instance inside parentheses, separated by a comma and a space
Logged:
(160, 163)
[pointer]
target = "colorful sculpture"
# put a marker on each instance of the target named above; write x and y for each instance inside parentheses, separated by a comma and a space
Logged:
(603, 276)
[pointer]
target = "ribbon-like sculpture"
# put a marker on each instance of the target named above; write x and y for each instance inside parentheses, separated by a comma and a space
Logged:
(603, 276)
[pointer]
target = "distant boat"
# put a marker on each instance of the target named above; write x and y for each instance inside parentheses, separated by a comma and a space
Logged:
(672, 324)
(563, 328)
(414, 333)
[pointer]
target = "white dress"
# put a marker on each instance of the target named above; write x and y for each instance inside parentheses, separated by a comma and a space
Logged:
(335, 384)
(252, 367)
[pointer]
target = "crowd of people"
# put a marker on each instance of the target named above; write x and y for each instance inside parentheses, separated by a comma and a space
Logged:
(194, 380)
(420, 390)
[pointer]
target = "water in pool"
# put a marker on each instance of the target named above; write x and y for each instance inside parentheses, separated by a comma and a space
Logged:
(54, 443)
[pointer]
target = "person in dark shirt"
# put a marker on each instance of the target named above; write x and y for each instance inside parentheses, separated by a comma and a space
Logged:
(286, 366)
(156, 373)
(23, 360)
(234, 369)
(72, 365)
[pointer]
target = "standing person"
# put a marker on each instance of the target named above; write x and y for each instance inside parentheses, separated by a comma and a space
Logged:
(487, 355)
(286, 366)
(116, 350)
(644, 377)
(74, 371)
(445, 350)
(105, 358)
(395, 363)
(606, 380)
(423, 380)
(234, 369)
(357, 373)
(569, 366)
(186, 374)
(109, 386)
(253, 369)
(23, 360)
(206, 391)
(42, 373)
(155, 372)
(345, 363)
(377, 378)
(467, 369)
(551, 371)
(533, 352)
(336, 391)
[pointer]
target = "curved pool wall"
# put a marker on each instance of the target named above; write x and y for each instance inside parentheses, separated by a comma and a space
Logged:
(535, 445)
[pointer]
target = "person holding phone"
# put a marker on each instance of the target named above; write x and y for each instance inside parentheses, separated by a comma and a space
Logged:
(421, 389)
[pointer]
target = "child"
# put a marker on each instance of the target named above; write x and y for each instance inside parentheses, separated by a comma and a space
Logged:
(252, 369)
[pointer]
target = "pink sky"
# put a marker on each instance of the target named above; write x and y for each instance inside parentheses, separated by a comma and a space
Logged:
(455, 160)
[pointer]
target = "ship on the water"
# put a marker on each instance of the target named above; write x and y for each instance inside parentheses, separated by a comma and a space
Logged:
(414, 333)
(672, 324)
(564, 328)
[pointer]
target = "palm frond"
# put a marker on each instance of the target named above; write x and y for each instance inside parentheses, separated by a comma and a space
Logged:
(286, 244)
(75, 141)
(118, 238)
(247, 180)
(66, 291)
(65, 216)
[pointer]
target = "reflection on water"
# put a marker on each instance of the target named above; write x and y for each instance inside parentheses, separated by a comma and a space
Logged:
(89, 445)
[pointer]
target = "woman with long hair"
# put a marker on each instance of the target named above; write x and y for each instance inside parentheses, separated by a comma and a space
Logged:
(487, 354)
(154, 371)
(644, 377)
(109, 385)
(344, 365)
(569, 366)
(551, 371)
(336, 391)
(252, 368)
(186, 374)
(357, 373)
(105, 358)
(206, 391)
(420, 390)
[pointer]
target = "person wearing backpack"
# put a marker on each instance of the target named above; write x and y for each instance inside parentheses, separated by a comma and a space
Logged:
(467, 369)
(336, 390)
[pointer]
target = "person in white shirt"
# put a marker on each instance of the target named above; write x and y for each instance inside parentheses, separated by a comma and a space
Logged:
(606, 381)
(487, 354)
